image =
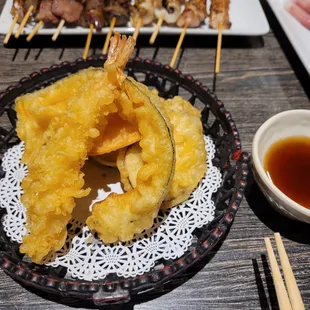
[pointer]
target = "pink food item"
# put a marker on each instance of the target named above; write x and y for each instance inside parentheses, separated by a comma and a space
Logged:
(300, 9)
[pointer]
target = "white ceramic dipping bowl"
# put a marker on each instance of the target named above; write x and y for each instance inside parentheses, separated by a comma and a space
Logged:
(283, 125)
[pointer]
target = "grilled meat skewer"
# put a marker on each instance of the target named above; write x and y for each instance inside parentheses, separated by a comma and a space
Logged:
(143, 9)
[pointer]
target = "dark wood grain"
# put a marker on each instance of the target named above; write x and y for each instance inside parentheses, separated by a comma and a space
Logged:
(256, 82)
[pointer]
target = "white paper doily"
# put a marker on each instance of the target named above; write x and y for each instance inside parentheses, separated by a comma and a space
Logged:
(86, 257)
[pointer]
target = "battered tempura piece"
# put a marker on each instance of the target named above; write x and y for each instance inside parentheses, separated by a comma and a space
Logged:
(190, 153)
(56, 150)
(119, 217)
(190, 150)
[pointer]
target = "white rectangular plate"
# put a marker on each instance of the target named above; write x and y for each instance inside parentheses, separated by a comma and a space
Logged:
(298, 35)
(247, 17)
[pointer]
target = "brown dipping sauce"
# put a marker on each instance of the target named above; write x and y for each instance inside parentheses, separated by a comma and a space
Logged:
(288, 164)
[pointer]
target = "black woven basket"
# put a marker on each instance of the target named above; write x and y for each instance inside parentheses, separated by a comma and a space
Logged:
(233, 164)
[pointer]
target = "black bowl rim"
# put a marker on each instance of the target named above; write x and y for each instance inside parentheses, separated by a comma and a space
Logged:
(102, 292)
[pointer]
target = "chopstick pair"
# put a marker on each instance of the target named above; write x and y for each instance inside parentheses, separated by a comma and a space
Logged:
(289, 299)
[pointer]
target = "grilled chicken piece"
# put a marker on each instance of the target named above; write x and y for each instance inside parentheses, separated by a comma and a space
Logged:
(171, 9)
(69, 10)
(194, 14)
(142, 9)
(20, 7)
(119, 9)
(219, 11)
(45, 13)
(93, 14)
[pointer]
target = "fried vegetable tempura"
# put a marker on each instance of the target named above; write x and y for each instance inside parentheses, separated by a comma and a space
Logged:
(117, 133)
(190, 153)
(190, 150)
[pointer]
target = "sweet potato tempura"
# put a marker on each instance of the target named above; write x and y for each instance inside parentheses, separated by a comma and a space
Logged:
(56, 151)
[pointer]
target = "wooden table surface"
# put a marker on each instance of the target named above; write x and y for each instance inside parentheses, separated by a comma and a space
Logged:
(257, 80)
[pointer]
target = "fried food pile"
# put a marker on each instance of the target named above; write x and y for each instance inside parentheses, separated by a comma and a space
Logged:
(158, 146)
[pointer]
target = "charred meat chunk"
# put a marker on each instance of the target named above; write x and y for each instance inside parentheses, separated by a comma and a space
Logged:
(119, 9)
(69, 10)
(45, 13)
(93, 14)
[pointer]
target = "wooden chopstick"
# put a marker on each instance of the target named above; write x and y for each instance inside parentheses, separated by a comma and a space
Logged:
(282, 296)
(290, 281)
(177, 49)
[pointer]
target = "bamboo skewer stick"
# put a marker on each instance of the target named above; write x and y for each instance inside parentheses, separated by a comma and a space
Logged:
(156, 30)
(138, 26)
(8, 35)
(35, 30)
(283, 300)
(58, 30)
(88, 41)
(108, 37)
(177, 49)
(24, 21)
(290, 281)
(218, 55)
(219, 49)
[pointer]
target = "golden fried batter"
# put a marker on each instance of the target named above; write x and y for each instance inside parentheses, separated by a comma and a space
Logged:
(56, 151)
(190, 153)
(119, 217)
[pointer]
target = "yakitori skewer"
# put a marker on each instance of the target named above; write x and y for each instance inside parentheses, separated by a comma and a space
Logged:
(156, 30)
(8, 35)
(137, 30)
(35, 30)
(177, 49)
(142, 14)
(108, 37)
(24, 21)
(58, 30)
(88, 41)
(44, 16)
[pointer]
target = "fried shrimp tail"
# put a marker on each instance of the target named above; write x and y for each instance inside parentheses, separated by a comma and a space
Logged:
(120, 51)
